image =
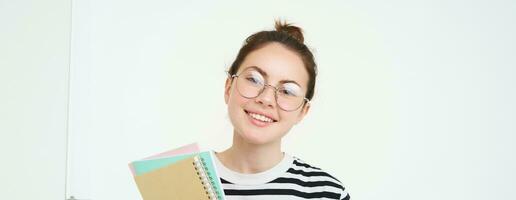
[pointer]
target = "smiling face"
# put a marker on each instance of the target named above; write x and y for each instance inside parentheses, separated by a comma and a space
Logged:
(260, 120)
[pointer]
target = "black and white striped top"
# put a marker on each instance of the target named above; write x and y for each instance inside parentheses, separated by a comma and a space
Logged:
(290, 179)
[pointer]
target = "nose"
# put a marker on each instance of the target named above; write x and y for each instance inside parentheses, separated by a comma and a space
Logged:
(267, 97)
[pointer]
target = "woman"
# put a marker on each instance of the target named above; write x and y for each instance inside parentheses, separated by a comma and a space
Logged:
(268, 90)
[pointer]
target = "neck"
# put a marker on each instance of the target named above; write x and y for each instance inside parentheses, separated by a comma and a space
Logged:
(247, 158)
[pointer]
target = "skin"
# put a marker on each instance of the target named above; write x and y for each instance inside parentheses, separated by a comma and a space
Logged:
(257, 149)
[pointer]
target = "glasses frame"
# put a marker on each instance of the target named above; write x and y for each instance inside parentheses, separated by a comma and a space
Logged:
(305, 100)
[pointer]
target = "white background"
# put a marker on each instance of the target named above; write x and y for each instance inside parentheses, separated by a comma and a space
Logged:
(34, 63)
(414, 99)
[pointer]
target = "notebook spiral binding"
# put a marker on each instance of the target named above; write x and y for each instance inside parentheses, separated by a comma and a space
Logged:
(206, 178)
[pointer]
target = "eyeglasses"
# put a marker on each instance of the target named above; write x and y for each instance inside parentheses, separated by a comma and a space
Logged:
(250, 84)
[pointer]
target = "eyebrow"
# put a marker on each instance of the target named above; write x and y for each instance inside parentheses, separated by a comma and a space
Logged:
(261, 71)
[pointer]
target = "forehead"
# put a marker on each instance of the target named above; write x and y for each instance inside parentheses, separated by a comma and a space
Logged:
(278, 62)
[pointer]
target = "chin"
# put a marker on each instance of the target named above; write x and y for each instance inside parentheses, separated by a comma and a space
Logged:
(262, 137)
(256, 138)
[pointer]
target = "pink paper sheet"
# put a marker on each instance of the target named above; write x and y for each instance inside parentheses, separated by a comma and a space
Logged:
(189, 148)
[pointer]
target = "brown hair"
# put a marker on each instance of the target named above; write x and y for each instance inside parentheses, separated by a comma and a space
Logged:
(288, 35)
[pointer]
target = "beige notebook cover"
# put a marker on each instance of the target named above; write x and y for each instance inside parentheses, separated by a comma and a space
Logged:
(178, 181)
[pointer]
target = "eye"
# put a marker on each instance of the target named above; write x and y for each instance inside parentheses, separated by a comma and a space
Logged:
(290, 89)
(254, 78)
(284, 91)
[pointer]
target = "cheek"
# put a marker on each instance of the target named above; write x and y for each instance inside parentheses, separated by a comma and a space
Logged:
(288, 119)
(235, 105)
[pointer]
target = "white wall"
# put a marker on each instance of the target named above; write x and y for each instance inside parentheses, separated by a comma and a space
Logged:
(34, 61)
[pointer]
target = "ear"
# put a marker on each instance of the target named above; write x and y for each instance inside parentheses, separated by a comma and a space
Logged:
(304, 111)
(227, 89)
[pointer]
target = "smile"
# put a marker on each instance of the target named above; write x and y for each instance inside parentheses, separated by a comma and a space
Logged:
(258, 119)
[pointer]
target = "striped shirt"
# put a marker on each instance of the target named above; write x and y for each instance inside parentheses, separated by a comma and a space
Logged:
(291, 179)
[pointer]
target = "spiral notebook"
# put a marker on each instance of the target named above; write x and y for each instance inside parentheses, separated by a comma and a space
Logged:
(185, 176)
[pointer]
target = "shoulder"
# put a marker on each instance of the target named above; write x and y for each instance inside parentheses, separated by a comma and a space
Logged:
(316, 177)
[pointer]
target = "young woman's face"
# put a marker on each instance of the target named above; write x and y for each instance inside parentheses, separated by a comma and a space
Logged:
(260, 120)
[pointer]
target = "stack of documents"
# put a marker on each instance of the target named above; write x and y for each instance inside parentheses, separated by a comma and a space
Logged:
(183, 173)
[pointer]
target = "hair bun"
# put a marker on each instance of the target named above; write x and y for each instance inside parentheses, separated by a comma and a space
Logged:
(293, 31)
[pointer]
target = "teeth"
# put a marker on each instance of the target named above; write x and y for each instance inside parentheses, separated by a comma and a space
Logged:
(260, 117)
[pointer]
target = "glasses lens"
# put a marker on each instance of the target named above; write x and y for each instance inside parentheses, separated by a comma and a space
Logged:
(290, 97)
(250, 83)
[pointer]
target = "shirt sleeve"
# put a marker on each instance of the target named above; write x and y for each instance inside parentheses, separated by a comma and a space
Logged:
(344, 195)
